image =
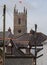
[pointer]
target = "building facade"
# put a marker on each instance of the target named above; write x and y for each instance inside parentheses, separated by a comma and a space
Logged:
(43, 59)
(20, 22)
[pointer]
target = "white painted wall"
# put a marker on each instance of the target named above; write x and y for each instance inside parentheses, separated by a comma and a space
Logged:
(43, 60)
(45, 54)
(39, 60)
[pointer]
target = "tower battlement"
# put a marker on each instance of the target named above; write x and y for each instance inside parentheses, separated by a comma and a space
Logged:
(16, 11)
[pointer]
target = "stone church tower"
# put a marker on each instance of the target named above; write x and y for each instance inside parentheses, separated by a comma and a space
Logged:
(20, 22)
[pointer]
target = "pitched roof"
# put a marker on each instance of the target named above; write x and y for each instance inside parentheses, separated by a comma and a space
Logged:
(28, 37)
(40, 37)
(22, 41)
(8, 35)
(24, 37)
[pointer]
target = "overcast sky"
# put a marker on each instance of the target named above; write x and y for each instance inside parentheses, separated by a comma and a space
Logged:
(37, 13)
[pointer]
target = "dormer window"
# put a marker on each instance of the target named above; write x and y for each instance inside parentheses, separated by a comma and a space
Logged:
(10, 44)
(9, 48)
(28, 49)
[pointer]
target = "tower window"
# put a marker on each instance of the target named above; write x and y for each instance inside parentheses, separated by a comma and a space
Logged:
(19, 31)
(19, 21)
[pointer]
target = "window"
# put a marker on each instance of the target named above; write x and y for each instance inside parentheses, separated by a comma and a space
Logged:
(9, 48)
(19, 21)
(19, 31)
(10, 44)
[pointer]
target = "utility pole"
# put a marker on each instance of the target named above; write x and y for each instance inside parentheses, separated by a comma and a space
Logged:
(35, 42)
(4, 12)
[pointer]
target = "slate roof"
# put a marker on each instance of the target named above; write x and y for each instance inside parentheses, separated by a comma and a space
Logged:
(22, 40)
(8, 36)
(40, 37)
(29, 38)
(25, 39)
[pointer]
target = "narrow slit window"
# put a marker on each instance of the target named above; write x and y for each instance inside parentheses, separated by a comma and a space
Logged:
(19, 21)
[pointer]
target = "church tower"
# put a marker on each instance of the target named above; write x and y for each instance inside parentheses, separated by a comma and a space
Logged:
(20, 22)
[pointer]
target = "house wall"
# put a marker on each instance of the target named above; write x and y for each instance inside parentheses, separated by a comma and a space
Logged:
(40, 59)
(43, 60)
(45, 54)
(18, 61)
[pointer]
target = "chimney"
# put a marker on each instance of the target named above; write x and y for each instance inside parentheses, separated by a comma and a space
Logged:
(9, 30)
(24, 9)
(32, 31)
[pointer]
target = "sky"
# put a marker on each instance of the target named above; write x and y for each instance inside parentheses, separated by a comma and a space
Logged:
(36, 13)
